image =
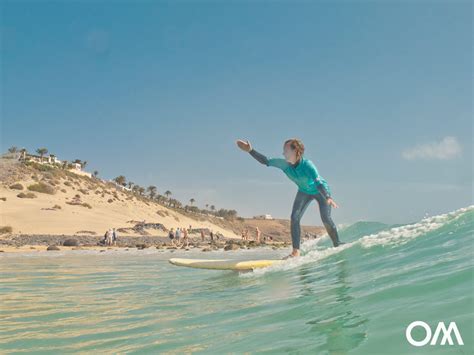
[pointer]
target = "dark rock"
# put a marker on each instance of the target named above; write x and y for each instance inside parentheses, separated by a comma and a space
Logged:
(53, 247)
(70, 243)
(231, 246)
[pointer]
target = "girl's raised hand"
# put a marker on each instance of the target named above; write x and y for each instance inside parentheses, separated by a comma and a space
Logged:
(244, 145)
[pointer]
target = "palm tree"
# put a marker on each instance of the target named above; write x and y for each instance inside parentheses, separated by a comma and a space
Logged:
(42, 152)
(213, 208)
(130, 184)
(168, 193)
(191, 201)
(207, 206)
(12, 149)
(96, 173)
(141, 190)
(83, 164)
(151, 191)
(121, 180)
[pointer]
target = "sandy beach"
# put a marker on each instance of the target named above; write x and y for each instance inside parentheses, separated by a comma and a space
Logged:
(26, 243)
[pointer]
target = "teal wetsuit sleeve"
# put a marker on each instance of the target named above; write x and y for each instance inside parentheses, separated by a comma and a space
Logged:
(278, 163)
(321, 184)
(275, 162)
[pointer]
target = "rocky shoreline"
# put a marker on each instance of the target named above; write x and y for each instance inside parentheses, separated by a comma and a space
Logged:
(57, 242)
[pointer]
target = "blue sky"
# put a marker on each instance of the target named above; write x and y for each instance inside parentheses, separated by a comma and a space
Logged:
(379, 92)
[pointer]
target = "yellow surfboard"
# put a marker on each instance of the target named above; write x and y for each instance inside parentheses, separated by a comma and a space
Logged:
(223, 264)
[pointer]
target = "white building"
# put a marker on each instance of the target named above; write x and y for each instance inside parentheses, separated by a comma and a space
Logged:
(51, 159)
(263, 216)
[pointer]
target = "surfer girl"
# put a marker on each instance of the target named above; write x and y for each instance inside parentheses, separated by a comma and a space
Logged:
(310, 184)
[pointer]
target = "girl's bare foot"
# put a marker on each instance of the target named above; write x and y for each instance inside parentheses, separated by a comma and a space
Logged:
(294, 254)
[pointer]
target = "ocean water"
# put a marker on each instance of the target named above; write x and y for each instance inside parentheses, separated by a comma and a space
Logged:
(356, 299)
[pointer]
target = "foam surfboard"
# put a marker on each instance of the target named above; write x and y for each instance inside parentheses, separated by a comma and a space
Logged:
(223, 264)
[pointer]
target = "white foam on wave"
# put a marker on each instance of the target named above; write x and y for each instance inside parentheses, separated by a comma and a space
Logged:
(403, 234)
(395, 236)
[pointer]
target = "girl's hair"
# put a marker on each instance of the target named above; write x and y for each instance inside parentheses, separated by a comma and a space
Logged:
(296, 145)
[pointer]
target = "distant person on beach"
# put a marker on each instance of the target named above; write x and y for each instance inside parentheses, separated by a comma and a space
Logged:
(212, 236)
(202, 234)
(246, 234)
(178, 235)
(171, 235)
(109, 236)
(114, 236)
(311, 186)
(257, 234)
(185, 237)
(104, 241)
(243, 234)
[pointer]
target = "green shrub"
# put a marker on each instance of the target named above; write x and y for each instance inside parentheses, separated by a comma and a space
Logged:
(79, 203)
(38, 166)
(5, 229)
(26, 195)
(16, 186)
(42, 188)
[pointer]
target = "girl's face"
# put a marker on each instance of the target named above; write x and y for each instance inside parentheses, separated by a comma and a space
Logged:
(289, 154)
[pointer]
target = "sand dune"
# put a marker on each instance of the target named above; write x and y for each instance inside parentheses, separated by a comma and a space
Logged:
(54, 213)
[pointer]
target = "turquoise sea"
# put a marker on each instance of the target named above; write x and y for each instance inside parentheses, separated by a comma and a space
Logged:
(356, 299)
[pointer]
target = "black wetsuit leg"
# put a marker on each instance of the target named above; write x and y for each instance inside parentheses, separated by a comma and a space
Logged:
(325, 211)
(300, 204)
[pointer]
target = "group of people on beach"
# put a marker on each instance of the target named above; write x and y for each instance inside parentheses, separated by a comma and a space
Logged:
(258, 235)
(245, 234)
(179, 237)
(110, 237)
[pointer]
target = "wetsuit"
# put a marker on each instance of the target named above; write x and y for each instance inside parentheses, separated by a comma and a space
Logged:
(311, 186)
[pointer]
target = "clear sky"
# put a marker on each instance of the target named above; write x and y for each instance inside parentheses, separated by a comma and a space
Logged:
(380, 92)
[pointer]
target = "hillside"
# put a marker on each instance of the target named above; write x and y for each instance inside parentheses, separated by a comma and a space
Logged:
(58, 202)
(64, 203)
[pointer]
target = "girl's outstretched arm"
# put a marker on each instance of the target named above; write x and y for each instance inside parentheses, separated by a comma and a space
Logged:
(260, 157)
(247, 147)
